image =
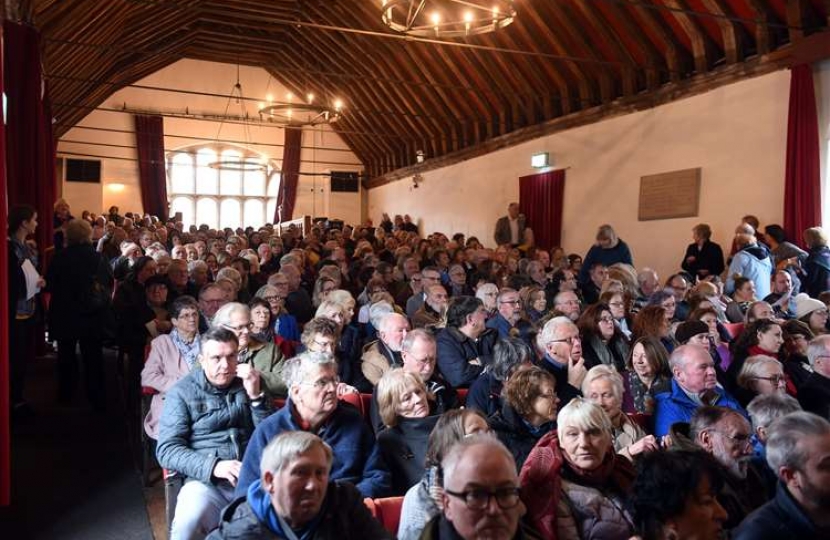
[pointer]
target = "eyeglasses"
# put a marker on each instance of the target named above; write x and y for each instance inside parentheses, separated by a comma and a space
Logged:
(479, 499)
(511, 302)
(568, 340)
(239, 329)
(742, 439)
(775, 379)
(188, 315)
(271, 298)
(323, 383)
(324, 344)
(427, 360)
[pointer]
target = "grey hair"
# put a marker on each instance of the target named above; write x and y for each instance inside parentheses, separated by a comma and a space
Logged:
(197, 264)
(296, 368)
(231, 274)
(456, 453)
(783, 448)
(707, 417)
(765, 409)
(224, 313)
(263, 291)
(819, 346)
(550, 330)
(484, 288)
(378, 313)
(508, 354)
(678, 357)
(608, 373)
(504, 292)
(413, 335)
(584, 415)
(752, 368)
(288, 446)
(644, 274)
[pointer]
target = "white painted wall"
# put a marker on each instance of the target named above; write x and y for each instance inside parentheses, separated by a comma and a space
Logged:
(208, 77)
(736, 134)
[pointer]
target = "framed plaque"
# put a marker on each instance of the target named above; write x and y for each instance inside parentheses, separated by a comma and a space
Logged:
(670, 195)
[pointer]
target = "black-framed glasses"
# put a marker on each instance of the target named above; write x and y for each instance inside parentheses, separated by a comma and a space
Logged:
(775, 379)
(741, 439)
(511, 302)
(568, 340)
(323, 383)
(479, 499)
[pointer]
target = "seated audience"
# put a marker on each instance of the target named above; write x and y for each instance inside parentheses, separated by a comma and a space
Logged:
(603, 386)
(430, 275)
(811, 312)
(647, 375)
(798, 449)
(422, 501)
(266, 357)
(760, 338)
(781, 295)
(763, 410)
(694, 384)
(675, 496)
(528, 411)
(760, 375)
(404, 408)
(313, 406)
(465, 346)
(534, 302)
(602, 342)
(211, 298)
(742, 297)
(487, 293)
(433, 310)
(567, 303)
(727, 436)
(172, 356)
(206, 423)
(295, 498)
(285, 324)
(508, 321)
(481, 495)
(261, 328)
(654, 321)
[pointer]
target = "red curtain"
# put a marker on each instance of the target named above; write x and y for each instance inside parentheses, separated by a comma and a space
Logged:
(30, 147)
(152, 174)
(290, 177)
(540, 199)
(802, 191)
(5, 433)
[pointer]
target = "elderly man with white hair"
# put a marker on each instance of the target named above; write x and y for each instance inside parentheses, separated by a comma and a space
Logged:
(814, 394)
(561, 350)
(798, 450)
(295, 497)
(694, 384)
(382, 355)
(313, 406)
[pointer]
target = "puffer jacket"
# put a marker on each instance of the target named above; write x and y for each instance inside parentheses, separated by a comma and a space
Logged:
(344, 517)
(597, 515)
(202, 425)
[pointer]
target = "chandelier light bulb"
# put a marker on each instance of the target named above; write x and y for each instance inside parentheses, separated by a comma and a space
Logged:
(310, 98)
(338, 104)
(269, 98)
(436, 18)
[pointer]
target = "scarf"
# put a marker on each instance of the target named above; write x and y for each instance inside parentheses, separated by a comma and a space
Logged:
(612, 472)
(541, 484)
(189, 351)
(262, 508)
(266, 336)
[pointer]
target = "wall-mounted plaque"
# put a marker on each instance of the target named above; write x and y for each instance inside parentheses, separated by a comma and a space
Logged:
(670, 195)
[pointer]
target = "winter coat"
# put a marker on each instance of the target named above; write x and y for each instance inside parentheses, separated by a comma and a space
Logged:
(403, 448)
(163, 369)
(614, 353)
(344, 517)
(485, 394)
(268, 360)
(782, 518)
(455, 350)
(617, 254)
(676, 406)
(378, 359)
(814, 395)
(80, 282)
(752, 262)
(817, 268)
(356, 456)
(441, 529)
(512, 430)
(202, 425)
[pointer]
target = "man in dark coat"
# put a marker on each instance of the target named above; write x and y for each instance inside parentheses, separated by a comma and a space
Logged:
(465, 346)
(798, 450)
(510, 229)
(814, 394)
(295, 498)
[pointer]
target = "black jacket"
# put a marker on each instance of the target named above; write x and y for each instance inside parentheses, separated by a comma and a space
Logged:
(817, 268)
(345, 517)
(404, 448)
(814, 395)
(782, 518)
(485, 395)
(709, 257)
(444, 398)
(73, 274)
(455, 350)
(514, 433)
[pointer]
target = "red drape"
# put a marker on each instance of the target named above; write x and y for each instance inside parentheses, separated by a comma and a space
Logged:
(802, 185)
(152, 174)
(5, 433)
(30, 147)
(290, 177)
(540, 199)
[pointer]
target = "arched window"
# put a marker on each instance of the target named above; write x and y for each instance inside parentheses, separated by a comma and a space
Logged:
(220, 197)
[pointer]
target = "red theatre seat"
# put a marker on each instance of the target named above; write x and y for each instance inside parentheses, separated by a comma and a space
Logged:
(462, 396)
(734, 329)
(387, 511)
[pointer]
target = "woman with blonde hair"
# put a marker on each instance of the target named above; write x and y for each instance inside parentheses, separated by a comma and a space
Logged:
(404, 406)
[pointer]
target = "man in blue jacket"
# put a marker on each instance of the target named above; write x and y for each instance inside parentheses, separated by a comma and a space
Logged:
(206, 422)
(694, 384)
(465, 346)
(313, 406)
(508, 321)
(798, 450)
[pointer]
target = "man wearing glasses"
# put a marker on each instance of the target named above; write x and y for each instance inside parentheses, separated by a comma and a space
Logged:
(481, 494)
(561, 350)
(313, 406)
(727, 436)
(430, 275)
(508, 320)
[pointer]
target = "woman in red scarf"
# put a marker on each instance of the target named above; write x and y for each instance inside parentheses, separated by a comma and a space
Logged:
(763, 337)
(573, 483)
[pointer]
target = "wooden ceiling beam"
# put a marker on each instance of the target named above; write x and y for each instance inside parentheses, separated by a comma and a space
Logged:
(796, 11)
(701, 45)
(732, 34)
(672, 50)
(762, 13)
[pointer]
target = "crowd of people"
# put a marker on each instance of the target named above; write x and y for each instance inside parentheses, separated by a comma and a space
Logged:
(516, 393)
